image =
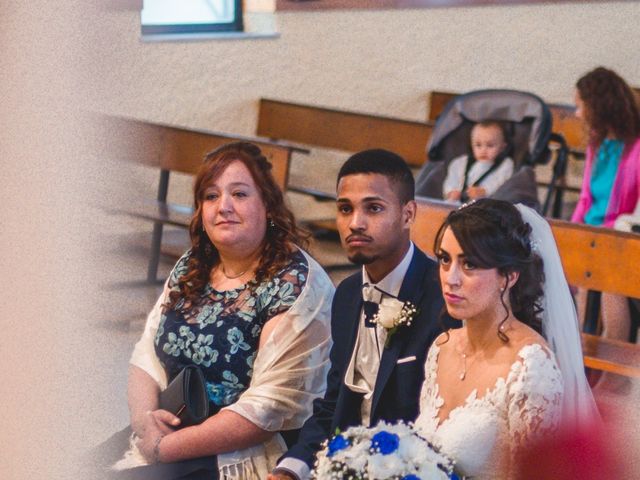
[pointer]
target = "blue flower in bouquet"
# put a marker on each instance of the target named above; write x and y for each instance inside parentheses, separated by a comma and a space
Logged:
(410, 477)
(336, 444)
(385, 442)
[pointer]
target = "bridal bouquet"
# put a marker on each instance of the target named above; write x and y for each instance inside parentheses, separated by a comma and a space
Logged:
(383, 452)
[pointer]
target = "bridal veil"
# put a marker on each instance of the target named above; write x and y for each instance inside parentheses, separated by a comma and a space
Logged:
(560, 326)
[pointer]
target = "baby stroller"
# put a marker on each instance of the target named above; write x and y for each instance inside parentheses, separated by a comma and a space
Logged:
(527, 122)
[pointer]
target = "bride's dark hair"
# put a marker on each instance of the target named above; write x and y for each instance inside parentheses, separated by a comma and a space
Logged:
(492, 234)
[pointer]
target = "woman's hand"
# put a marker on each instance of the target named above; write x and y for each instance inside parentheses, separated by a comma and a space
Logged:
(155, 425)
(165, 420)
(143, 392)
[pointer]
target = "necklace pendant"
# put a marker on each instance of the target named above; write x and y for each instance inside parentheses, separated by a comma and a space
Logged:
(463, 375)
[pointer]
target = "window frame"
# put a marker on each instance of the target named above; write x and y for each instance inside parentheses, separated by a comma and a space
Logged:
(237, 25)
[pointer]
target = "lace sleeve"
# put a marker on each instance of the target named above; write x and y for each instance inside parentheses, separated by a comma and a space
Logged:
(535, 397)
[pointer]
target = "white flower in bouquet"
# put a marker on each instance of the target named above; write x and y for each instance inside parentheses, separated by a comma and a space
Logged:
(412, 448)
(383, 452)
(355, 457)
(385, 466)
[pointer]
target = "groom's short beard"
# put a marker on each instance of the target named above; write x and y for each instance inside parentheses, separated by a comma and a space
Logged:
(362, 259)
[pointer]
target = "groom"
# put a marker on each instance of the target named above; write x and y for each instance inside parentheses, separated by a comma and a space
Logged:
(373, 376)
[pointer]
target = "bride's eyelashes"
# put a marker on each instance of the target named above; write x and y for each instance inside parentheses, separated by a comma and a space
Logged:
(443, 258)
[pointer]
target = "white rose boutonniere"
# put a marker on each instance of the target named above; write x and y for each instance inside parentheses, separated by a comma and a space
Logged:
(393, 313)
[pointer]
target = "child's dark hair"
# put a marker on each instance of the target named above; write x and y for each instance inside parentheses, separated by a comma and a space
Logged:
(492, 234)
(385, 163)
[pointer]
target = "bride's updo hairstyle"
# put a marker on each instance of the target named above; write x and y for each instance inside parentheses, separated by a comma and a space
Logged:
(492, 234)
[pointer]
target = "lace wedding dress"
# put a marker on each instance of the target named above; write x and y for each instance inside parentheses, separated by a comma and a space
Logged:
(483, 435)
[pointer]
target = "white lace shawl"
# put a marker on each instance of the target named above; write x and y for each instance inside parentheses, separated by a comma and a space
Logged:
(289, 372)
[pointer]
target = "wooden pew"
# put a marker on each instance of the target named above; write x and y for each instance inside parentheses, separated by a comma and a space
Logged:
(437, 101)
(611, 355)
(343, 130)
(594, 258)
(175, 149)
(564, 120)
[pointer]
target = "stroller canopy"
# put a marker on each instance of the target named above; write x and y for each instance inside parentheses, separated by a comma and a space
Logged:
(526, 114)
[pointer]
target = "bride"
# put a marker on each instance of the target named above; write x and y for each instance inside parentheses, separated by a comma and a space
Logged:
(514, 372)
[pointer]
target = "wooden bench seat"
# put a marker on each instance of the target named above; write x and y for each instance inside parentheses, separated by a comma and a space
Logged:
(176, 149)
(343, 130)
(611, 355)
(167, 213)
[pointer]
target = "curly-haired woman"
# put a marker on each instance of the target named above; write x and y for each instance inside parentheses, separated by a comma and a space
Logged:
(251, 309)
(611, 182)
(514, 372)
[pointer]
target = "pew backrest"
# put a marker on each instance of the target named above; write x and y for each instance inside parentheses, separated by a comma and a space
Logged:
(343, 130)
(180, 149)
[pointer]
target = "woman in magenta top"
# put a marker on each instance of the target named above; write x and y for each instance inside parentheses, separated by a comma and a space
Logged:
(611, 183)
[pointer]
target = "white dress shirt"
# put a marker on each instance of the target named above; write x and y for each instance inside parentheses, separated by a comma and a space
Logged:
(365, 360)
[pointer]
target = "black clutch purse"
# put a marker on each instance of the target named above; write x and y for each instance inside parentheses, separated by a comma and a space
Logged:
(186, 397)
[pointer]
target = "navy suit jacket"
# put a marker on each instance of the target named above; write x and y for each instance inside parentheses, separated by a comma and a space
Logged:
(396, 394)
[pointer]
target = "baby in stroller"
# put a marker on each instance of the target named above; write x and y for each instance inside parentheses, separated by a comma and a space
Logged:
(509, 169)
(480, 173)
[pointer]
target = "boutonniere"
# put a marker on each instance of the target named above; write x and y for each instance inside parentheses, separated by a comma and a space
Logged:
(392, 314)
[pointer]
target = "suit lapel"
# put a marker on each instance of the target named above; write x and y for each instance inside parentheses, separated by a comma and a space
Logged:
(412, 290)
(352, 314)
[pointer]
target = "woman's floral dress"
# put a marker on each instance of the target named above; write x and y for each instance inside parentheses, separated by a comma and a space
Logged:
(221, 330)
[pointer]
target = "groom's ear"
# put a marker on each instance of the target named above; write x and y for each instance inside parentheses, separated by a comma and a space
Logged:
(409, 210)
